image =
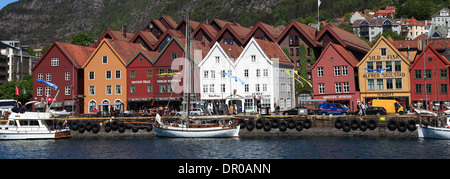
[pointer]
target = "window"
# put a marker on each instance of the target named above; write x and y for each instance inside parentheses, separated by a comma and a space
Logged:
(265, 72)
(173, 56)
(380, 84)
(40, 76)
(337, 71)
(211, 88)
(132, 74)
(370, 84)
(217, 59)
(369, 66)
(389, 65)
(55, 62)
(418, 74)
(162, 88)
(39, 91)
(161, 71)
(389, 84)
(132, 89)
(429, 89)
(257, 89)
(321, 88)
(48, 77)
(205, 88)
(418, 89)
(67, 76)
(383, 52)
(117, 74)
(346, 87)
(169, 88)
(213, 74)
(337, 87)
(253, 58)
(108, 75)
(149, 88)
(398, 83)
(91, 75)
(92, 105)
(222, 72)
(264, 87)
(91, 90)
(398, 66)
(67, 90)
(48, 91)
(149, 73)
(443, 73)
(320, 72)
(105, 60)
(246, 87)
(108, 90)
(428, 73)
(118, 89)
(444, 89)
(222, 88)
(344, 70)
(246, 72)
(379, 65)
(205, 74)
(258, 72)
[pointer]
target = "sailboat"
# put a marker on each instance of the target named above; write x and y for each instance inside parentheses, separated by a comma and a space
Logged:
(434, 132)
(195, 126)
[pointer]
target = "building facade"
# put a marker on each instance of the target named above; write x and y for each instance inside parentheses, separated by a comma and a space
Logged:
(384, 74)
(429, 79)
(335, 77)
(441, 18)
(369, 28)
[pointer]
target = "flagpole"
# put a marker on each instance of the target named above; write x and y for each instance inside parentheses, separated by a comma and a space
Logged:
(318, 21)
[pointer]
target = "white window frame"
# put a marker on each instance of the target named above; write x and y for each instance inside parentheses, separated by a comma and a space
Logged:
(55, 62)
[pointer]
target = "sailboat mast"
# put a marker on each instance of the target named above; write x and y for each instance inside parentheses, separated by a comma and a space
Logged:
(188, 55)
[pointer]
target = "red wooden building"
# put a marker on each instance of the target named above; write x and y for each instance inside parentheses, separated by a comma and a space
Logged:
(141, 80)
(61, 65)
(429, 79)
(334, 76)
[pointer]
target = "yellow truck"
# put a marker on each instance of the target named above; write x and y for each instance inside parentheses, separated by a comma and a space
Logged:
(388, 104)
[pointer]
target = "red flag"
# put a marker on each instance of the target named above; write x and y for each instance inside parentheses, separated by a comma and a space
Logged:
(17, 90)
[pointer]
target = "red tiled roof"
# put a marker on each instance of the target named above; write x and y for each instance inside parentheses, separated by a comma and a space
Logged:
(274, 52)
(233, 51)
(115, 35)
(345, 38)
(147, 36)
(79, 54)
(169, 21)
(269, 30)
(125, 50)
(307, 31)
(429, 47)
(346, 55)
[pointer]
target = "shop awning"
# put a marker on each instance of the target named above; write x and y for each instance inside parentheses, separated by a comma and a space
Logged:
(39, 105)
(56, 104)
(69, 103)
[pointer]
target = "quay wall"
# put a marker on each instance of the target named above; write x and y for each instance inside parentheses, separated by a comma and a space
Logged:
(320, 127)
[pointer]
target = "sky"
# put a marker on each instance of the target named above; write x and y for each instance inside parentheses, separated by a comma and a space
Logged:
(3, 3)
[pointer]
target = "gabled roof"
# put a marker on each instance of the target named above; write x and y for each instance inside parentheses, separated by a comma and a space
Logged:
(147, 36)
(222, 23)
(78, 53)
(125, 51)
(193, 24)
(115, 35)
(208, 29)
(428, 48)
(239, 32)
(169, 21)
(231, 51)
(269, 30)
(345, 54)
(150, 56)
(346, 39)
(157, 23)
(172, 34)
(271, 50)
(307, 31)
(181, 42)
(386, 41)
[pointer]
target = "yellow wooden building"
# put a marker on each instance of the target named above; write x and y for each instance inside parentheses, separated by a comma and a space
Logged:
(384, 74)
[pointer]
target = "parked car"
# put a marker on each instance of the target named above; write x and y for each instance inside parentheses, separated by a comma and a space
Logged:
(193, 112)
(332, 108)
(374, 110)
(295, 111)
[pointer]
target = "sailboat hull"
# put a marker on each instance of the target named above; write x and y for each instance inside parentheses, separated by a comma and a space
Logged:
(209, 132)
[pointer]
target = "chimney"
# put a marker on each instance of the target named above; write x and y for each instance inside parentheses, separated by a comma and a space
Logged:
(124, 31)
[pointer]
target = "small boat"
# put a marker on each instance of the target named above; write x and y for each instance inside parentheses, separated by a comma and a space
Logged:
(198, 127)
(425, 112)
(32, 125)
(434, 132)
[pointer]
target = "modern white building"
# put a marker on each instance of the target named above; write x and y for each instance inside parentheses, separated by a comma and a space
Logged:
(369, 28)
(255, 80)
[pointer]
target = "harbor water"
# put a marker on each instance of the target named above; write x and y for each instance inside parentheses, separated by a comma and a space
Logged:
(277, 147)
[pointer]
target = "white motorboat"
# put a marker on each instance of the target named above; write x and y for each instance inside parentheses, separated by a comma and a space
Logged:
(198, 127)
(434, 132)
(32, 125)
